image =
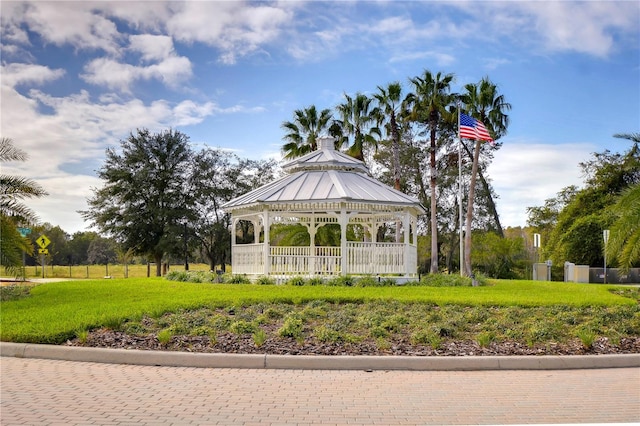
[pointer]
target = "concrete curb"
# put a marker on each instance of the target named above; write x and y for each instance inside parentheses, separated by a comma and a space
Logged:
(313, 362)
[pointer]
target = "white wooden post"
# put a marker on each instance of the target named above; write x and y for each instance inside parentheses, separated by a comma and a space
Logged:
(266, 246)
(234, 230)
(344, 221)
(406, 222)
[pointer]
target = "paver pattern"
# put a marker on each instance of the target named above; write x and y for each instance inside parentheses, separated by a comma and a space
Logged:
(50, 392)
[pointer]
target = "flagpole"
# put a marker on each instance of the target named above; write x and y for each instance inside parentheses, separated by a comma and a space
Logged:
(460, 195)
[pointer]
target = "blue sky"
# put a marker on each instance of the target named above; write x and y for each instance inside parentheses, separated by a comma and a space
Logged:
(77, 77)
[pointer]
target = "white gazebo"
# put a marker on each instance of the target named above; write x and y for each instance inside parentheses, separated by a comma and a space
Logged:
(321, 188)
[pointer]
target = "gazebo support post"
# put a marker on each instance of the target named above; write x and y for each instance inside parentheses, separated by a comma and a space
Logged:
(406, 222)
(266, 245)
(344, 221)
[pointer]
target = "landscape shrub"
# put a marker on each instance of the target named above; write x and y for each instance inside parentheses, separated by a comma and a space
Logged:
(14, 292)
(296, 281)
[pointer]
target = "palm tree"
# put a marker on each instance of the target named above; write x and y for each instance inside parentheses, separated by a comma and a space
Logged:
(358, 120)
(13, 212)
(390, 109)
(624, 244)
(429, 104)
(483, 103)
(304, 130)
(633, 137)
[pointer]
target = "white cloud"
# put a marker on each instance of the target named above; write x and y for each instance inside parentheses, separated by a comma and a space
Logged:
(587, 27)
(73, 23)
(152, 47)
(169, 69)
(236, 28)
(17, 73)
(526, 174)
(554, 26)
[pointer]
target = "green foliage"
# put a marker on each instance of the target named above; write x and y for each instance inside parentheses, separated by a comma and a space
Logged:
(242, 327)
(259, 338)
(485, 338)
(342, 281)
(238, 279)
(82, 336)
(624, 243)
(164, 336)
(296, 281)
(497, 257)
(576, 235)
(14, 292)
(13, 212)
(303, 132)
(150, 167)
(265, 280)
(426, 337)
(292, 327)
(442, 280)
(587, 337)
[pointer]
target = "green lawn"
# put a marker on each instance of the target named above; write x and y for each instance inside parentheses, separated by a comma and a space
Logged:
(55, 312)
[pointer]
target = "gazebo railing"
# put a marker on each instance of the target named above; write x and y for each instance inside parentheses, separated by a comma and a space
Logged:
(376, 258)
(363, 258)
(248, 259)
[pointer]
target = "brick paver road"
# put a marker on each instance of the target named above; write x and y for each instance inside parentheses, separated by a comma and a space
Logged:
(41, 392)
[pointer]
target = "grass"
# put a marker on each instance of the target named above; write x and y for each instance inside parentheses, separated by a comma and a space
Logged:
(100, 271)
(539, 311)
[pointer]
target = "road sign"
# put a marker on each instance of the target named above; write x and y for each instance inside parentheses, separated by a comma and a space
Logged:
(24, 231)
(43, 251)
(43, 241)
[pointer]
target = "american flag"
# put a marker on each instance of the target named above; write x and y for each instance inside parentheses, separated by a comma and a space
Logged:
(473, 129)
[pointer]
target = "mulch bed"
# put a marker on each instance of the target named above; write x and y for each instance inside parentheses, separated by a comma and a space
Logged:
(244, 344)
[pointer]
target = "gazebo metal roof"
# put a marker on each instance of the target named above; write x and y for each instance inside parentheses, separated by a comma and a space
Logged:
(325, 175)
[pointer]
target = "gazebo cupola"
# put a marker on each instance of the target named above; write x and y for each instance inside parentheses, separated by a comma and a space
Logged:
(326, 187)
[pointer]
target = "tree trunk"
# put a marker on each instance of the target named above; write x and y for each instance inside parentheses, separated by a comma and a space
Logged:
(158, 259)
(492, 204)
(472, 193)
(395, 135)
(434, 215)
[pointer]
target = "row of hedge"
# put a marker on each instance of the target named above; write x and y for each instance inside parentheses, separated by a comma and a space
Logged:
(432, 280)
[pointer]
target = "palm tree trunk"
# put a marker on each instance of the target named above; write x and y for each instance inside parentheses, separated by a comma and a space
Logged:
(434, 206)
(472, 193)
(395, 136)
(492, 203)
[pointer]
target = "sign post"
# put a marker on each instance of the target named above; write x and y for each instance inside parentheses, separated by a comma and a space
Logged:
(24, 232)
(43, 242)
(605, 236)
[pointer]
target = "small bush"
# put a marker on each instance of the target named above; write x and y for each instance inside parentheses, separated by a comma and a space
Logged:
(164, 336)
(315, 281)
(442, 280)
(82, 336)
(238, 279)
(292, 327)
(14, 292)
(265, 280)
(295, 281)
(485, 338)
(113, 323)
(587, 337)
(426, 337)
(242, 327)
(259, 338)
(342, 281)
